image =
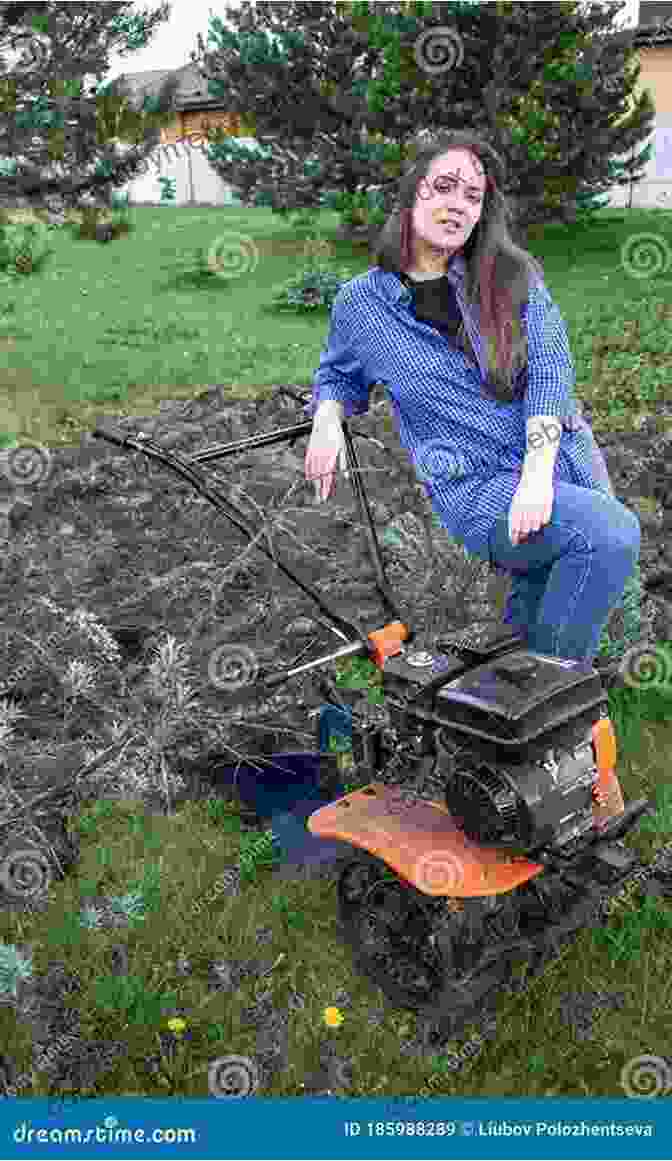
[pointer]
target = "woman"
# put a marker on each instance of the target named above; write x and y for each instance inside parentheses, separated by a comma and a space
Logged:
(456, 321)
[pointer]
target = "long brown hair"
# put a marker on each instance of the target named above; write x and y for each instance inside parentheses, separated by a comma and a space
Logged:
(498, 272)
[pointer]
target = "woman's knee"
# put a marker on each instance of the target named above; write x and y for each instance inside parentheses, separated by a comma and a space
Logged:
(614, 530)
(630, 530)
(621, 533)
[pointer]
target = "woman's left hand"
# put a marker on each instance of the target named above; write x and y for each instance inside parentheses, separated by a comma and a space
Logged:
(531, 507)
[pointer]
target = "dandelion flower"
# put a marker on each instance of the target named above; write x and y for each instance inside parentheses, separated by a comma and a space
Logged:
(333, 1017)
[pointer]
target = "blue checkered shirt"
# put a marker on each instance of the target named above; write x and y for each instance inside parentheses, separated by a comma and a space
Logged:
(466, 448)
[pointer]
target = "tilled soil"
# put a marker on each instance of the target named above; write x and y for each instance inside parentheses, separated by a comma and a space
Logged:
(114, 533)
(122, 537)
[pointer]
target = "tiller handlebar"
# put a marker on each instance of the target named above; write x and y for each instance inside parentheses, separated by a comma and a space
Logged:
(377, 643)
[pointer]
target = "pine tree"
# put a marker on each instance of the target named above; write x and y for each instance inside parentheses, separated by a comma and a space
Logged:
(543, 83)
(288, 73)
(59, 139)
(335, 94)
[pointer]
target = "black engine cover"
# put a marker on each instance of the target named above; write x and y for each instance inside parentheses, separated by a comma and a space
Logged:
(543, 801)
(515, 699)
(513, 738)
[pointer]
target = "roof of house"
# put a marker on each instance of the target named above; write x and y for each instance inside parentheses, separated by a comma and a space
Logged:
(655, 25)
(192, 90)
(653, 12)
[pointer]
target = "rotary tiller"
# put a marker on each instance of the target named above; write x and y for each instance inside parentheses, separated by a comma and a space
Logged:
(443, 901)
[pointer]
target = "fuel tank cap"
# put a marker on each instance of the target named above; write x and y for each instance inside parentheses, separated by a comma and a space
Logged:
(419, 658)
(517, 669)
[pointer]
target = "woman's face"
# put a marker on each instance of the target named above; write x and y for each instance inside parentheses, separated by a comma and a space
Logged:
(454, 188)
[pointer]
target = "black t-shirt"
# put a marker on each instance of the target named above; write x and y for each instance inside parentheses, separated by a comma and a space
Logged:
(435, 302)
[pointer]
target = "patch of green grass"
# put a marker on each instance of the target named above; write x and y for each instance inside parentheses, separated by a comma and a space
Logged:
(120, 327)
(625, 938)
(631, 708)
(167, 865)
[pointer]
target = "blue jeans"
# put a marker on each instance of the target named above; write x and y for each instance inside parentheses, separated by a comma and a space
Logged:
(568, 576)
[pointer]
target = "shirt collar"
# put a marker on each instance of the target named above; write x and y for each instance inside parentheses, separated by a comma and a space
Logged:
(392, 284)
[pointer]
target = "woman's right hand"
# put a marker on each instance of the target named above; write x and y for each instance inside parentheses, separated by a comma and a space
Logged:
(325, 447)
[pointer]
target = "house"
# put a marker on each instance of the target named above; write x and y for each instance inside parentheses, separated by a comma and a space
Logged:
(193, 105)
(653, 40)
(183, 168)
(179, 171)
